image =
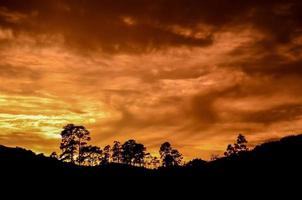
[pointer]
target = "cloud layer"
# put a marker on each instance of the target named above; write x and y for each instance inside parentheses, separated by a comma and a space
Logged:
(195, 73)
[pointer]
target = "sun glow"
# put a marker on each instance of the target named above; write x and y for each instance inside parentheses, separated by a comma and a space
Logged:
(45, 116)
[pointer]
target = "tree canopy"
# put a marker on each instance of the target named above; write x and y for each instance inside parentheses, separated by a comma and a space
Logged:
(75, 149)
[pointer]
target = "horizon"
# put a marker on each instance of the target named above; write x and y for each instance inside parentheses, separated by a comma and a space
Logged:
(156, 154)
(150, 70)
(185, 160)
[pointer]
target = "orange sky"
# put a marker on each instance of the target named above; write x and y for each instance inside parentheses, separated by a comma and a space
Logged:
(195, 73)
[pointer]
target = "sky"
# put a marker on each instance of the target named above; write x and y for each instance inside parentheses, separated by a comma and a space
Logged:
(192, 72)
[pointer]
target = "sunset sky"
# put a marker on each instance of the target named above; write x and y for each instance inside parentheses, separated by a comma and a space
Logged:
(192, 72)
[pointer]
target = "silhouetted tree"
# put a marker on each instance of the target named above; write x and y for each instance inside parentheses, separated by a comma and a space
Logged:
(271, 160)
(54, 155)
(230, 150)
(73, 139)
(177, 157)
(133, 153)
(151, 162)
(164, 152)
(127, 151)
(91, 155)
(116, 152)
(170, 157)
(139, 154)
(147, 162)
(68, 144)
(239, 146)
(165, 149)
(106, 155)
(155, 162)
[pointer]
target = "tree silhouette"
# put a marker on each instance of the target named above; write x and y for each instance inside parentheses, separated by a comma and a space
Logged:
(165, 149)
(147, 162)
(91, 155)
(268, 161)
(133, 153)
(127, 152)
(73, 139)
(155, 162)
(239, 146)
(170, 157)
(106, 155)
(230, 150)
(116, 152)
(151, 162)
(139, 154)
(54, 155)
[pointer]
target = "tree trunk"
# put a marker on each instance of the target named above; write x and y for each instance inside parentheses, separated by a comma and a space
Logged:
(80, 156)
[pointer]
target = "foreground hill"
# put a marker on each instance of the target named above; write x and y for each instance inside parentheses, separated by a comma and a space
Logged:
(281, 158)
(267, 162)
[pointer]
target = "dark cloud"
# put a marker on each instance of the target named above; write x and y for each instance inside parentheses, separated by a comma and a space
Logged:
(140, 25)
(175, 74)
(266, 58)
(201, 108)
(270, 74)
(286, 112)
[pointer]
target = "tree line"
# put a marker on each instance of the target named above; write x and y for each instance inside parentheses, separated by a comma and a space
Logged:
(75, 148)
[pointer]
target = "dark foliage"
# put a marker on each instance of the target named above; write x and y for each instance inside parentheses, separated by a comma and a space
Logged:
(279, 158)
(170, 157)
(74, 139)
(133, 153)
(275, 164)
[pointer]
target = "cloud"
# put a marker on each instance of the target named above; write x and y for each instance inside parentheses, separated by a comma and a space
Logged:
(284, 112)
(139, 26)
(8, 71)
(31, 141)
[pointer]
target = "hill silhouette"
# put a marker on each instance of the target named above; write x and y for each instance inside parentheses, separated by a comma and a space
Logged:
(281, 159)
